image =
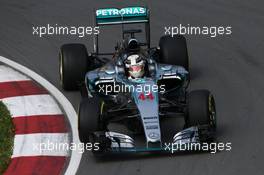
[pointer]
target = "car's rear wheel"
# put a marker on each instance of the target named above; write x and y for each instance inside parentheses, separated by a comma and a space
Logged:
(201, 109)
(74, 63)
(173, 50)
(89, 118)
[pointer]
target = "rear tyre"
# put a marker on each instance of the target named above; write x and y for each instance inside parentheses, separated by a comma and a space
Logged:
(173, 50)
(89, 118)
(201, 109)
(74, 63)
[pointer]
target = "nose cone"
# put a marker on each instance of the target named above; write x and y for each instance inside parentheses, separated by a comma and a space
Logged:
(147, 104)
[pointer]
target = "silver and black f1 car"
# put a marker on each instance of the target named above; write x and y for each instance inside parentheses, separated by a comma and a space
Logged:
(137, 100)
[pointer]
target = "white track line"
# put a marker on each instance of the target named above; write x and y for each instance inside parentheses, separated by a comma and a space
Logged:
(42, 144)
(66, 105)
(8, 74)
(29, 105)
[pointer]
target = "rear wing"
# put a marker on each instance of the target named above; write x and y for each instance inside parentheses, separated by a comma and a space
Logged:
(127, 15)
(111, 16)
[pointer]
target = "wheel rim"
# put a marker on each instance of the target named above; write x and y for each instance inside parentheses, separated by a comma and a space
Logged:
(212, 112)
(61, 69)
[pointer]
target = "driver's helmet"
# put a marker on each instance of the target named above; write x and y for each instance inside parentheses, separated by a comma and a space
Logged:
(135, 65)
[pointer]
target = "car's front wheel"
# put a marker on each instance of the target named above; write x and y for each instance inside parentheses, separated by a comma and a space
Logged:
(89, 118)
(201, 109)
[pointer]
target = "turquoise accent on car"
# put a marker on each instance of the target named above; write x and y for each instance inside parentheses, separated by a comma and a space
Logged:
(121, 16)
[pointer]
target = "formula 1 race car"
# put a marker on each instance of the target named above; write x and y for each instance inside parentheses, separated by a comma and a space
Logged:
(137, 100)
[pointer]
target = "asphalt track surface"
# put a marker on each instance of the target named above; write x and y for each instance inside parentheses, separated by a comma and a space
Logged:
(232, 67)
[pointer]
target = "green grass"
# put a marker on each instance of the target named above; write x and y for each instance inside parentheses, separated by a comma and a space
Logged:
(6, 137)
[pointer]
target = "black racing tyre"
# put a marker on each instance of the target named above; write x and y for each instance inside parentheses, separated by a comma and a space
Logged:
(74, 62)
(173, 50)
(88, 118)
(201, 109)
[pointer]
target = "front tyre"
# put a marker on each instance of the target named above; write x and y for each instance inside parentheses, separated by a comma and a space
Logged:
(89, 118)
(201, 109)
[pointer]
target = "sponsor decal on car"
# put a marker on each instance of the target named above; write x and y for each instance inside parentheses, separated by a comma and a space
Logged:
(113, 12)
